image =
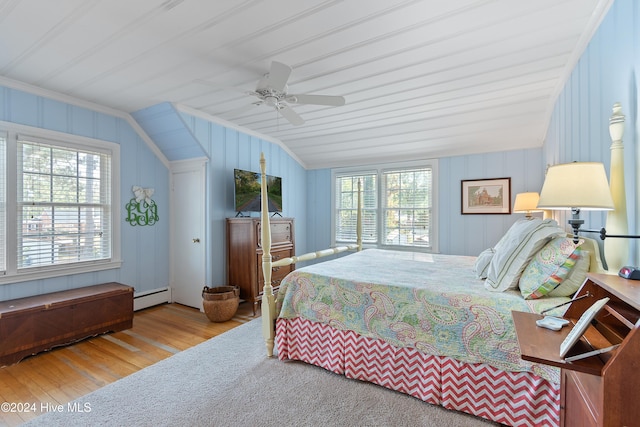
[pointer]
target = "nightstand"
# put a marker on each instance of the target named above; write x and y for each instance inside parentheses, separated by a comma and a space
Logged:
(601, 390)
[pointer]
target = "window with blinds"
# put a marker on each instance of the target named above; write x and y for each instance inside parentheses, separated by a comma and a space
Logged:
(63, 208)
(404, 217)
(3, 203)
(407, 207)
(346, 203)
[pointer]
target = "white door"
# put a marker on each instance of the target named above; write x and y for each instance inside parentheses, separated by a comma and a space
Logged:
(187, 232)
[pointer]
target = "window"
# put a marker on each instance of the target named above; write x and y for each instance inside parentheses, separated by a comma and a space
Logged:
(403, 218)
(347, 207)
(407, 209)
(63, 193)
(3, 202)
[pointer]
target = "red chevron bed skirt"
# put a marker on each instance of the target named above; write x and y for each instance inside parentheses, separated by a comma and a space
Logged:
(511, 398)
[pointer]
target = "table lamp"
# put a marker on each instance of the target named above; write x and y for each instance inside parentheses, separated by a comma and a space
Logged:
(527, 203)
(576, 186)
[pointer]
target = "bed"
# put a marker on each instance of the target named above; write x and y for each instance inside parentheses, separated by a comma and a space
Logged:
(436, 327)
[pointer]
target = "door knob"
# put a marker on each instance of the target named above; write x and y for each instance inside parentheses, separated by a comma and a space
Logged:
(196, 240)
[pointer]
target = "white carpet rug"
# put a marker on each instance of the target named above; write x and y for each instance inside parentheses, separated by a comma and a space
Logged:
(229, 381)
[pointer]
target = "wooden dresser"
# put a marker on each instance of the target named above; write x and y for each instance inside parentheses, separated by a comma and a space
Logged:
(601, 390)
(244, 254)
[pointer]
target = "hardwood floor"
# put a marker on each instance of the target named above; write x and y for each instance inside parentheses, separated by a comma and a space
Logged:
(66, 373)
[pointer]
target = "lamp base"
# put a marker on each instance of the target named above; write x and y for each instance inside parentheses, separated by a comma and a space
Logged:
(575, 223)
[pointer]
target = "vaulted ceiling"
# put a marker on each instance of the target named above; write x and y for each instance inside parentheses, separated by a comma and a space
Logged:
(420, 78)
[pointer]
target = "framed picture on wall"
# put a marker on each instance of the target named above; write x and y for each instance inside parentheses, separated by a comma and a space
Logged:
(486, 196)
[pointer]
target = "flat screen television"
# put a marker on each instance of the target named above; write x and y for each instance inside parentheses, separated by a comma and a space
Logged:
(247, 191)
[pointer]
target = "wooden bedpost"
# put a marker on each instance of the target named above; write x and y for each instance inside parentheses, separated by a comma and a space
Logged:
(359, 218)
(268, 300)
(268, 308)
(616, 251)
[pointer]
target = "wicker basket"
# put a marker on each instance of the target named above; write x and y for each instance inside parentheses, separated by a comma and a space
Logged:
(221, 302)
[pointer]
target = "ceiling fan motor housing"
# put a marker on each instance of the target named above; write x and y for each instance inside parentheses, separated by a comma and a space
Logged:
(271, 96)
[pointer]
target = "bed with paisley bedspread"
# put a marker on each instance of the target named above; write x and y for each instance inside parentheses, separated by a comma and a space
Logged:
(425, 326)
(436, 327)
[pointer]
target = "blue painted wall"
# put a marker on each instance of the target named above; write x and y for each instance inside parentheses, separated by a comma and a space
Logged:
(458, 234)
(227, 149)
(145, 250)
(471, 234)
(606, 73)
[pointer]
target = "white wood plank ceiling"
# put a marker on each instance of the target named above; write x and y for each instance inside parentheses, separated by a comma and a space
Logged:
(421, 78)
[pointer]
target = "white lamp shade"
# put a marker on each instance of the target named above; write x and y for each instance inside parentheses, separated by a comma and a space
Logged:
(526, 202)
(577, 185)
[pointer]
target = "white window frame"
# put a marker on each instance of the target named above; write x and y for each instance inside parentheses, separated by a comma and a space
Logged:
(3, 201)
(365, 230)
(379, 171)
(12, 274)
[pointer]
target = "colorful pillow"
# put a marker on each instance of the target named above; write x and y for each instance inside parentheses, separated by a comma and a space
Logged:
(482, 263)
(512, 255)
(576, 277)
(549, 268)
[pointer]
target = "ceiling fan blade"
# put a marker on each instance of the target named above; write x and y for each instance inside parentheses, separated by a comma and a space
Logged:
(278, 76)
(334, 101)
(291, 115)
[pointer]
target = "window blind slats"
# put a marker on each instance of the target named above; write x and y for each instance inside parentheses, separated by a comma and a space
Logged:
(3, 203)
(63, 206)
(347, 208)
(403, 217)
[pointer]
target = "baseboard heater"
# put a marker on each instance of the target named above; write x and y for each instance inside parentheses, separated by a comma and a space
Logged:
(150, 298)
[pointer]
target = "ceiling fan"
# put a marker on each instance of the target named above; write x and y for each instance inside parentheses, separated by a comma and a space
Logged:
(272, 91)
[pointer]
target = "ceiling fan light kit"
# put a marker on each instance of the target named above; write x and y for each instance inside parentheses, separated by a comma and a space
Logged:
(272, 91)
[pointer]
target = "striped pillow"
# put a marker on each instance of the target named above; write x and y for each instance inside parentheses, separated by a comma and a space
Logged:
(576, 277)
(549, 268)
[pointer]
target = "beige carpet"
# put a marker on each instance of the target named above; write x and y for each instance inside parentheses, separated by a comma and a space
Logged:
(228, 381)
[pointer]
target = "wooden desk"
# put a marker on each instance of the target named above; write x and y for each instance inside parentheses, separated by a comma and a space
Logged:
(601, 390)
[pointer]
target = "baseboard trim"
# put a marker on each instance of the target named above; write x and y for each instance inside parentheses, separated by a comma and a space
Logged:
(151, 298)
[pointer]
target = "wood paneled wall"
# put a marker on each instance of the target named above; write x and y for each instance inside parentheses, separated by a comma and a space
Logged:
(458, 234)
(471, 234)
(606, 73)
(229, 148)
(145, 250)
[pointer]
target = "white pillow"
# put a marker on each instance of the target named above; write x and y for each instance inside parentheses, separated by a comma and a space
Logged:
(484, 259)
(525, 238)
(482, 263)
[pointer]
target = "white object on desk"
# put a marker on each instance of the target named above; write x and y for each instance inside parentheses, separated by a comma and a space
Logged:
(553, 323)
(581, 326)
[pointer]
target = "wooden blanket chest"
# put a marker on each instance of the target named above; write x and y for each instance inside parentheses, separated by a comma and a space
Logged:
(33, 324)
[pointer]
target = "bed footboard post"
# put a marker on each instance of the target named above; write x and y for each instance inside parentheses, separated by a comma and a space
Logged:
(359, 218)
(268, 315)
(268, 300)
